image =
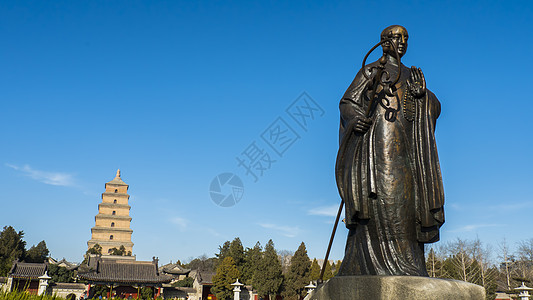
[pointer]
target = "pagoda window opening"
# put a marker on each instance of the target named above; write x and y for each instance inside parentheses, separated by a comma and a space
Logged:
(111, 237)
(115, 201)
(114, 213)
(116, 191)
(112, 224)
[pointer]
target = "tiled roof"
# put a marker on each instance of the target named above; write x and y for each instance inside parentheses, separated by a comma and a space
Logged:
(69, 265)
(125, 271)
(27, 270)
(174, 269)
(205, 278)
(69, 286)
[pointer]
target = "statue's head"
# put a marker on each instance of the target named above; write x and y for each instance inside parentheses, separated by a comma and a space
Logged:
(399, 37)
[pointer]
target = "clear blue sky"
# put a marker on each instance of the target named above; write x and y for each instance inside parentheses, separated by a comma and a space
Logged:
(171, 92)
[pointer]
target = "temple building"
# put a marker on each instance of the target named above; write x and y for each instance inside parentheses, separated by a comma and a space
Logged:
(124, 278)
(112, 223)
(30, 277)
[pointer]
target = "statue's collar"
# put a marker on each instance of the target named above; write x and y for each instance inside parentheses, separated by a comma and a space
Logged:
(392, 60)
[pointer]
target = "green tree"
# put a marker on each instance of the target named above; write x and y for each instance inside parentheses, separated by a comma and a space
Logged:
(297, 276)
(121, 251)
(268, 278)
(233, 249)
(252, 259)
(202, 264)
(328, 273)
(236, 251)
(147, 293)
(12, 247)
(314, 272)
(337, 267)
(185, 282)
(227, 273)
(37, 254)
(60, 274)
(96, 249)
(99, 290)
(222, 252)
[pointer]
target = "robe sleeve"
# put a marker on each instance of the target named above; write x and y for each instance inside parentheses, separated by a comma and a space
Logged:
(351, 163)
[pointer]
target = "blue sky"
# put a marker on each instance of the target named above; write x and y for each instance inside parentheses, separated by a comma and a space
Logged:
(172, 92)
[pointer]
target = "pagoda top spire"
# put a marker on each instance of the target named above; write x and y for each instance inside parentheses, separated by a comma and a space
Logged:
(117, 180)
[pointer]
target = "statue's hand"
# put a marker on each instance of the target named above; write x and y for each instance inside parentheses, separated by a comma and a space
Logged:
(417, 83)
(362, 125)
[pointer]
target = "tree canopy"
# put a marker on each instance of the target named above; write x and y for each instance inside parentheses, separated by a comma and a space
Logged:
(328, 273)
(37, 254)
(60, 274)
(268, 278)
(202, 264)
(252, 259)
(227, 273)
(314, 273)
(121, 251)
(297, 276)
(12, 247)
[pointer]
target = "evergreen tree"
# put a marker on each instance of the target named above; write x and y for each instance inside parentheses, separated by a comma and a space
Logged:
(185, 282)
(12, 247)
(121, 251)
(268, 278)
(236, 251)
(202, 264)
(223, 251)
(37, 254)
(328, 273)
(227, 273)
(297, 276)
(337, 267)
(252, 259)
(60, 274)
(96, 249)
(147, 293)
(314, 272)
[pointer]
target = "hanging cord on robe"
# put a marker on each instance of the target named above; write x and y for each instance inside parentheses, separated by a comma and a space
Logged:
(376, 81)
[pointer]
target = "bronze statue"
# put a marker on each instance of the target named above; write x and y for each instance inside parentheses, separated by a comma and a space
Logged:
(387, 171)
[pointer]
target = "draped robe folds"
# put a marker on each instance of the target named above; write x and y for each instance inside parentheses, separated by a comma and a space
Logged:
(389, 179)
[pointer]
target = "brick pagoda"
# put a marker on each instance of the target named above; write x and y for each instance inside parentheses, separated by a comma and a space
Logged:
(112, 223)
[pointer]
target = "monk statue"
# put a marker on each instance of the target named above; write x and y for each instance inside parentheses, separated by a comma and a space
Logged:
(387, 171)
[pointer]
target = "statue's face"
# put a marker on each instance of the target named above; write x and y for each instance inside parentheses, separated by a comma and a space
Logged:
(399, 38)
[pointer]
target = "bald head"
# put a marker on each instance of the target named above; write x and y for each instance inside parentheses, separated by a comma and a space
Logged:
(399, 37)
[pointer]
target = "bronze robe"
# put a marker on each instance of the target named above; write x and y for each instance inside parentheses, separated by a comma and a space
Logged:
(389, 179)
